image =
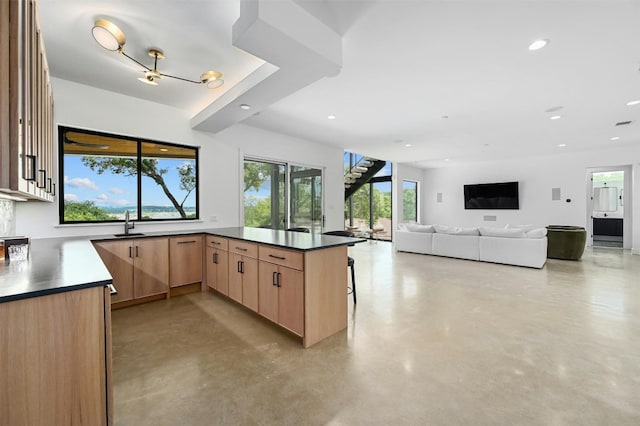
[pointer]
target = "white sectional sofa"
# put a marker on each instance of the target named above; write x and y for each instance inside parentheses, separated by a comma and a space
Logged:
(513, 245)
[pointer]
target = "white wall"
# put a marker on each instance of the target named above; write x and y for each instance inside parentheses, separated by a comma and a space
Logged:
(220, 159)
(537, 176)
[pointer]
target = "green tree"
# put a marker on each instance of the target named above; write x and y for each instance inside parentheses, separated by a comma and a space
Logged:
(257, 212)
(361, 206)
(85, 211)
(255, 174)
(149, 168)
(409, 207)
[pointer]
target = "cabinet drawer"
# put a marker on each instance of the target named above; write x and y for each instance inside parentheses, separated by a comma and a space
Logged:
(217, 242)
(288, 258)
(245, 249)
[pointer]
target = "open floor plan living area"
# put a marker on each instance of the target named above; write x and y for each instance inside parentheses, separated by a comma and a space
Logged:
(431, 341)
(319, 212)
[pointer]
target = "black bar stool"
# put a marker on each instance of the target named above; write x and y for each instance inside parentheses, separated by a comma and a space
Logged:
(350, 261)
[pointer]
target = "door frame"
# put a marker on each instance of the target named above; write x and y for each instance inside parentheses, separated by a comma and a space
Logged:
(627, 228)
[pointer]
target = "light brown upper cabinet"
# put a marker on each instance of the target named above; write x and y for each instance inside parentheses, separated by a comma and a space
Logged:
(26, 105)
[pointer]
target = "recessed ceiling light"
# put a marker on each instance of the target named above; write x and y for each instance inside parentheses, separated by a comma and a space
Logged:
(538, 44)
(615, 138)
(555, 117)
(245, 106)
(632, 103)
(331, 117)
(446, 159)
(562, 145)
(554, 109)
(407, 145)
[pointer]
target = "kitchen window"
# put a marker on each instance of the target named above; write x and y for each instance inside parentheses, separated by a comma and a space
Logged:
(104, 175)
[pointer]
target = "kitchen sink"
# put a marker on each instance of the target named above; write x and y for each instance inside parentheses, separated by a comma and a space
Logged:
(130, 234)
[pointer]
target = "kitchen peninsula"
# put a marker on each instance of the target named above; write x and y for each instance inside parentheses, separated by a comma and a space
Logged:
(296, 280)
(55, 324)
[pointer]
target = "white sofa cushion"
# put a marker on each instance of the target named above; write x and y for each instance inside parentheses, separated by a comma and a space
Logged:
(501, 232)
(514, 251)
(525, 228)
(455, 230)
(413, 242)
(416, 227)
(537, 233)
(456, 245)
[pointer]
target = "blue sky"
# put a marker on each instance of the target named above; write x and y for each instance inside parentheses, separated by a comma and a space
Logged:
(111, 190)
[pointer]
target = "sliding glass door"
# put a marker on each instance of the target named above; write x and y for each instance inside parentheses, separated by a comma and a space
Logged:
(306, 198)
(280, 196)
(264, 194)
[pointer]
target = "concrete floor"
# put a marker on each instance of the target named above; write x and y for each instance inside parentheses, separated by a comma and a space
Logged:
(433, 341)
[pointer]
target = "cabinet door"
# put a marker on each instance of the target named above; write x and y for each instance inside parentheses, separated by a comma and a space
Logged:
(53, 359)
(151, 266)
(186, 260)
(235, 277)
(291, 300)
(217, 269)
(268, 291)
(118, 258)
(250, 283)
(222, 272)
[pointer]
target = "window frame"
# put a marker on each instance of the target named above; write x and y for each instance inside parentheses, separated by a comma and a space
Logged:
(139, 155)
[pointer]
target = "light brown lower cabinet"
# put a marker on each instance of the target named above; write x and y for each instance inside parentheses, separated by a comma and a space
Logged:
(139, 267)
(281, 296)
(216, 262)
(302, 291)
(217, 270)
(243, 273)
(185, 254)
(243, 280)
(55, 359)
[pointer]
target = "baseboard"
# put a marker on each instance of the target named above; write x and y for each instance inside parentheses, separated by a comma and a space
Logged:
(635, 251)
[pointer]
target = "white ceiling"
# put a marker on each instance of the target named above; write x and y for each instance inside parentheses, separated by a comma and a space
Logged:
(405, 66)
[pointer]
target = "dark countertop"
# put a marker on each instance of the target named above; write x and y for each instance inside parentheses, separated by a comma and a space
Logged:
(54, 265)
(62, 264)
(284, 239)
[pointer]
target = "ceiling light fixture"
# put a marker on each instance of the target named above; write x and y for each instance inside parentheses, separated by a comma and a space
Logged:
(331, 117)
(615, 138)
(538, 44)
(555, 117)
(245, 107)
(632, 103)
(110, 37)
(407, 145)
(562, 145)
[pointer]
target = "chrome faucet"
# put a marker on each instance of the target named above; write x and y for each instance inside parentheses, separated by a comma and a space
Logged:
(127, 225)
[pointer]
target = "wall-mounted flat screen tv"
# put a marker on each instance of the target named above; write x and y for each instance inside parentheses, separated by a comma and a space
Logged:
(502, 195)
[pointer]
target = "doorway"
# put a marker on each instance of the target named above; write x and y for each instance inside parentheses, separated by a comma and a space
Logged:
(608, 189)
